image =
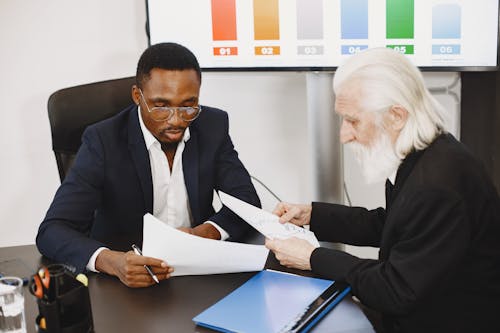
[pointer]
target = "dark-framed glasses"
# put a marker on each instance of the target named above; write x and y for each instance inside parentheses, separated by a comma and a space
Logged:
(163, 113)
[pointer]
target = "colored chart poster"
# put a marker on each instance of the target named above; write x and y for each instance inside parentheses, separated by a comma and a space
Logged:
(321, 34)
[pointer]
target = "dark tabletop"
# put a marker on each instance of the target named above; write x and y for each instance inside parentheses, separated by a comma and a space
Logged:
(166, 307)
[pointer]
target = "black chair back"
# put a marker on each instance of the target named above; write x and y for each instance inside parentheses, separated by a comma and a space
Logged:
(72, 109)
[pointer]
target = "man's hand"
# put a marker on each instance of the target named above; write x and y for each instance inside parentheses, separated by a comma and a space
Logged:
(129, 267)
(294, 213)
(205, 230)
(292, 252)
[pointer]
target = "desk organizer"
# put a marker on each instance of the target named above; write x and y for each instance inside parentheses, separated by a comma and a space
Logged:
(67, 309)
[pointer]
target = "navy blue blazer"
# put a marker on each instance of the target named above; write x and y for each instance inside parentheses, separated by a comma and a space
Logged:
(108, 190)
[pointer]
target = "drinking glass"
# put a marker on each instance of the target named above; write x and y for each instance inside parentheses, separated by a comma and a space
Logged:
(12, 305)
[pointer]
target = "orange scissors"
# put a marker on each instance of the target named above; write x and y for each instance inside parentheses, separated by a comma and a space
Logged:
(39, 284)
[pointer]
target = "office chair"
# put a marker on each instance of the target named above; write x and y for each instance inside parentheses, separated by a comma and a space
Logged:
(72, 109)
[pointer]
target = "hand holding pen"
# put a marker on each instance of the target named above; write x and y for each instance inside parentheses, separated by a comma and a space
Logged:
(129, 267)
(148, 269)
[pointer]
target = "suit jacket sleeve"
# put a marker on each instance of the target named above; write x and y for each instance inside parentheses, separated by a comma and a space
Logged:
(434, 233)
(63, 234)
(232, 178)
(349, 225)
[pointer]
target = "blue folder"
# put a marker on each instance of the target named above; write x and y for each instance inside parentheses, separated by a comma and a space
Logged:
(272, 302)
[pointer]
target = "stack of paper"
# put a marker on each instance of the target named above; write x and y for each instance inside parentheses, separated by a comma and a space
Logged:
(192, 255)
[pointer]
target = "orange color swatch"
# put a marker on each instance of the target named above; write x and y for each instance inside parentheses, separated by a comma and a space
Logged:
(224, 19)
(266, 20)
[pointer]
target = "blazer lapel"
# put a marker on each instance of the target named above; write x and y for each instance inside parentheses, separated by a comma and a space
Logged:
(404, 171)
(388, 194)
(190, 168)
(140, 156)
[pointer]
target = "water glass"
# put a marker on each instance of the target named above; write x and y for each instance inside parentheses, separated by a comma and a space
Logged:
(12, 305)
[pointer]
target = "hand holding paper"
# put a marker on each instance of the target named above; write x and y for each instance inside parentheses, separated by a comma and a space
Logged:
(297, 214)
(193, 255)
(292, 252)
(266, 223)
(129, 267)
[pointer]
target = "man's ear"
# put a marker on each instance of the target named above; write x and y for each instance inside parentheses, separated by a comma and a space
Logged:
(398, 116)
(135, 94)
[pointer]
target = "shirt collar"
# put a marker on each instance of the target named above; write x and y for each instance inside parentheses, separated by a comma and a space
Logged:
(406, 165)
(149, 138)
(392, 176)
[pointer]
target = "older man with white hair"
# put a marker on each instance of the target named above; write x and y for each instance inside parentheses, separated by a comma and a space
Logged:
(439, 235)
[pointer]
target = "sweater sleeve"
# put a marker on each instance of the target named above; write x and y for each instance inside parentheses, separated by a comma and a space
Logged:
(349, 225)
(432, 236)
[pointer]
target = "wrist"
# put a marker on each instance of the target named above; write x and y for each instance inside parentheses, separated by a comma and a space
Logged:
(105, 261)
(206, 230)
(309, 213)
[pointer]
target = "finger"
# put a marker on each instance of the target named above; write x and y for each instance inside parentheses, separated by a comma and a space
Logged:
(134, 266)
(162, 270)
(280, 208)
(140, 284)
(283, 260)
(135, 273)
(270, 244)
(136, 280)
(144, 260)
(163, 276)
(291, 214)
(139, 272)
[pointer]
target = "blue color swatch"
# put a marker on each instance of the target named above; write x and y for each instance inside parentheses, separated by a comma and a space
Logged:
(354, 19)
(446, 21)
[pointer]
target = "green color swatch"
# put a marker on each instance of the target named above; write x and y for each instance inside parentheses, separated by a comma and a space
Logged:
(400, 18)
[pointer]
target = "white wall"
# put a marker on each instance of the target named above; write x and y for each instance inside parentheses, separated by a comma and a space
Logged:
(54, 44)
(268, 125)
(46, 46)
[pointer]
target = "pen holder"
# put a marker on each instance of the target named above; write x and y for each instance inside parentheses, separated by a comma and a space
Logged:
(67, 309)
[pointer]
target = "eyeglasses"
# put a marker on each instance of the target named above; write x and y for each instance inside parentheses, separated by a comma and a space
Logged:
(163, 113)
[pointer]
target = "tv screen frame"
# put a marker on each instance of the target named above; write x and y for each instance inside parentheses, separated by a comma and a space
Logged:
(314, 68)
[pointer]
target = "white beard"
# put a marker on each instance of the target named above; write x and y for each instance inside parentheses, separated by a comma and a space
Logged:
(377, 162)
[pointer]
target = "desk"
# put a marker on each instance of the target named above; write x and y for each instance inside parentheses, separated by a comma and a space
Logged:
(169, 306)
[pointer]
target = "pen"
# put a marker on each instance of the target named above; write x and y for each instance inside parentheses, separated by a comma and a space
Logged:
(139, 253)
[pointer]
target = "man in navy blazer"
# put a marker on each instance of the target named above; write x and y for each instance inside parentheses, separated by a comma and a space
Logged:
(165, 155)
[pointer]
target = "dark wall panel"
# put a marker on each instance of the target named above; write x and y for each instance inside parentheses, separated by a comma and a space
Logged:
(480, 123)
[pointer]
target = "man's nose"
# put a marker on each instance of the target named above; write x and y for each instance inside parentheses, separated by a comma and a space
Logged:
(175, 118)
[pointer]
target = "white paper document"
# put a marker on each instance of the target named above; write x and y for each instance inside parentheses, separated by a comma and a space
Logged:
(193, 255)
(266, 223)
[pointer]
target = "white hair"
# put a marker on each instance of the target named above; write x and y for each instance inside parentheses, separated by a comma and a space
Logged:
(387, 78)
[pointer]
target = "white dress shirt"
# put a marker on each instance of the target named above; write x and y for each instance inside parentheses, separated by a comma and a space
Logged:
(170, 199)
(392, 176)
